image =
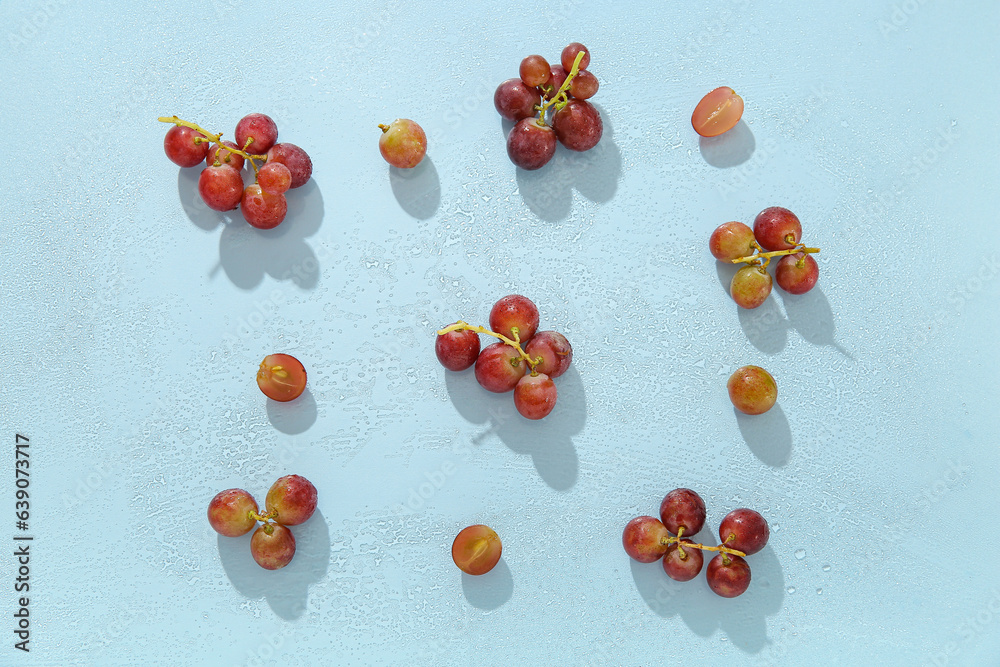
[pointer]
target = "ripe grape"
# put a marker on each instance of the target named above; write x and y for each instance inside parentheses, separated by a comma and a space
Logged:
(293, 497)
(557, 76)
(744, 530)
(717, 112)
(535, 71)
(457, 350)
(752, 390)
(180, 146)
(229, 512)
(403, 143)
(221, 187)
(499, 367)
(682, 566)
(275, 550)
(643, 539)
(515, 100)
(234, 160)
(777, 228)
(555, 351)
(569, 55)
(796, 274)
(261, 129)
(584, 85)
(728, 576)
(578, 125)
(683, 508)
(531, 144)
(513, 311)
(274, 178)
(750, 286)
(731, 240)
(281, 377)
(296, 159)
(476, 549)
(261, 209)
(535, 395)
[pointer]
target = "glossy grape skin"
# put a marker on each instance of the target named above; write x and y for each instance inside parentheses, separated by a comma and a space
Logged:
(683, 507)
(179, 145)
(274, 178)
(555, 351)
(535, 396)
(261, 128)
(744, 530)
(731, 240)
(683, 568)
(293, 497)
(752, 390)
(535, 71)
(568, 55)
(234, 160)
(557, 76)
(263, 210)
(796, 274)
(730, 579)
(717, 112)
(457, 350)
(281, 377)
(584, 85)
(221, 188)
(751, 286)
(530, 145)
(499, 367)
(476, 549)
(402, 143)
(777, 228)
(512, 311)
(229, 512)
(515, 100)
(643, 539)
(297, 160)
(274, 551)
(578, 125)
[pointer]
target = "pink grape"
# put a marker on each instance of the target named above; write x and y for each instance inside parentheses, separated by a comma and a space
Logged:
(752, 390)
(643, 539)
(293, 497)
(718, 112)
(531, 144)
(584, 85)
(535, 71)
(731, 240)
(682, 567)
(555, 351)
(557, 76)
(796, 274)
(457, 350)
(578, 125)
(683, 507)
(777, 228)
(180, 146)
(728, 576)
(513, 311)
(234, 160)
(499, 367)
(296, 159)
(744, 530)
(263, 210)
(535, 395)
(275, 550)
(274, 178)
(261, 129)
(750, 286)
(515, 100)
(569, 55)
(221, 187)
(229, 512)
(402, 143)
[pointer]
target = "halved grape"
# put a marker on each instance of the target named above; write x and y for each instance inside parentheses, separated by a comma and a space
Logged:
(476, 549)
(281, 377)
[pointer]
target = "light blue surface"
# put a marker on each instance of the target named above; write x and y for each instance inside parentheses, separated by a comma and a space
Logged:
(134, 319)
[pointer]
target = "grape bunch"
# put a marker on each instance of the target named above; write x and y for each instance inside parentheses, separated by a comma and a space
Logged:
(263, 202)
(524, 360)
(549, 103)
(682, 513)
(290, 501)
(776, 233)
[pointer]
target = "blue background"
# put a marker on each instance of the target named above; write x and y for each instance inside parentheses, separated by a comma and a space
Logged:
(134, 319)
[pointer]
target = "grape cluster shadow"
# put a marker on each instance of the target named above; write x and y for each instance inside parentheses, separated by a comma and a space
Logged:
(729, 149)
(417, 190)
(491, 590)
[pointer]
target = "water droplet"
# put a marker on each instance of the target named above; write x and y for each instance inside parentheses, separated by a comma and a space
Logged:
(800, 554)
(791, 589)
(826, 568)
(819, 591)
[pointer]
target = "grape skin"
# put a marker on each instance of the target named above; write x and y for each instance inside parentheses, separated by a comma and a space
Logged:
(530, 145)
(179, 145)
(730, 579)
(796, 279)
(744, 530)
(752, 390)
(457, 350)
(403, 143)
(777, 228)
(220, 187)
(555, 351)
(578, 125)
(643, 539)
(750, 286)
(261, 128)
(514, 100)
(683, 508)
(293, 497)
(512, 311)
(535, 71)
(296, 159)
(584, 85)
(274, 178)
(229, 512)
(557, 76)
(234, 160)
(535, 395)
(686, 568)
(263, 210)
(569, 55)
(731, 240)
(499, 367)
(274, 551)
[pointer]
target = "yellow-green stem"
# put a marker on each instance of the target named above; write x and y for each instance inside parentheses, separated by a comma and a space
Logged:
(726, 550)
(560, 95)
(756, 257)
(516, 344)
(217, 139)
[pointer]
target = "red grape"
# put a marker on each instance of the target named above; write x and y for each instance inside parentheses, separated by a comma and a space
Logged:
(535, 395)
(535, 71)
(683, 508)
(555, 351)
(261, 129)
(752, 390)
(796, 274)
(513, 311)
(728, 576)
(476, 549)
(293, 497)
(181, 148)
(750, 286)
(403, 143)
(717, 112)
(531, 144)
(275, 550)
(557, 76)
(514, 100)
(221, 187)
(584, 85)
(274, 178)
(578, 125)
(744, 530)
(263, 210)
(229, 512)
(499, 367)
(457, 350)
(296, 159)
(281, 377)
(643, 539)
(234, 160)
(777, 228)
(682, 567)
(569, 55)
(731, 240)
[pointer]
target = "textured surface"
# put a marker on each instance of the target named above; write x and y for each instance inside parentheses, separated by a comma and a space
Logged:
(134, 319)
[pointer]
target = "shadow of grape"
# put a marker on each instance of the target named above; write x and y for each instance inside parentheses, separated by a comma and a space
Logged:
(769, 435)
(293, 417)
(765, 326)
(729, 149)
(810, 314)
(490, 590)
(417, 190)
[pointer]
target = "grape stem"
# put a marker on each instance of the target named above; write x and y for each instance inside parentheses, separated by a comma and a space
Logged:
(516, 343)
(217, 139)
(266, 519)
(677, 540)
(766, 256)
(560, 99)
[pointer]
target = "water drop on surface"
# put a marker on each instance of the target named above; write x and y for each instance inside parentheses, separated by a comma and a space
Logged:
(826, 568)
(819, 591)
(800, 554)
(791, 589)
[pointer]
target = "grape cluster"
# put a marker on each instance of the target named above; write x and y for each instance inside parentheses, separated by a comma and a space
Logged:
(290, 501)
(221, 186)
(742, 532)
(776, 233)
(504, 366)
(561, 89)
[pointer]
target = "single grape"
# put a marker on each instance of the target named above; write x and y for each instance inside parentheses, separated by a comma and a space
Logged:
(513, 311)
(750, 286)
(578, 125)
(261, 129)
(229, 512)
(293, 497)
(535, 71)
(263, 210)
(223, 156)
(457, 350)
(180, 146)
(281, 377)
(569, 55)
(476, 549)
(557, 76)
(752, 390)
(731, 240)
(717, 112)
(796, 274)
(273, 550)
(777, 228)
(514, 100)
(535, 395)
(274, 178)
(220, 187)
(728, 576)
(682, 565)
(296, 159)
(683, 508)
(499, 367)
(403, 143)
(584, 85)
(531, 144)
(644, 539)
(555, 351)
(744, 530)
